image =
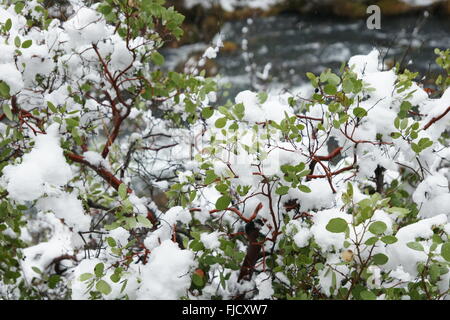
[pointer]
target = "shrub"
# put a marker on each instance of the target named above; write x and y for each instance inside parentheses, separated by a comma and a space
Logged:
(337, 193)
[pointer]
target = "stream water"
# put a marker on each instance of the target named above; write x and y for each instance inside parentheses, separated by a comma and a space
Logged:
(281, 49)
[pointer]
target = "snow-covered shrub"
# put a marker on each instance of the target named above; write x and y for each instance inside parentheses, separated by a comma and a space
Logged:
(339, 193)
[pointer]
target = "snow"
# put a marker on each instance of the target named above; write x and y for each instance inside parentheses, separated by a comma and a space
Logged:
(66, 206)
(168, 221)
(42, 169)
(325, 239)
(166, 275)
(95, 159)
(401, 255)
(12, 77)
(121, 236)
(274, 108)
(87, 26)
(432, 196)
(210, 240)
(41, 255)
(263, 283)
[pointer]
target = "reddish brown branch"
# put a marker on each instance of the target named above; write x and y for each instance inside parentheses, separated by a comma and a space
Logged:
(102, 172)
(333, 154)
(435, 119)
(236, 211)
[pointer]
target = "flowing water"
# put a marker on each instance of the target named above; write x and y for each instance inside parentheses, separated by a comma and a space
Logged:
(281, 49)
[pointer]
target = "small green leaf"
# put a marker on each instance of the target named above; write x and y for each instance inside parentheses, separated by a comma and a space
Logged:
(123, 191)
(27, 43)
(86, 276)
(221, 122)
(52, 107)
(378, 227)
(111, 242)
(144, 221)
(330, 89)
(4, 89)
(415, 246)
(207, 112)
(19, 7)
(37, 270)
(337, 225)
(304, 188)
(445, 251)
(103, 287)
(282, 190)
(53, 280)
(380, 259)
(17, 42)
(223, 203)
(157, 58)
(98, 270)
(389, 239)
(371, 241)
(7, 111)
(368, 295)
(8, 25)
(359, 112)
(197, 280)
(262, 97)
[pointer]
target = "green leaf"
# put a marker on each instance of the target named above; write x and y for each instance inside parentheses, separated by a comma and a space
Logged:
(8, 25)
(27, 43)
(337, 225)
(115, 277)
(123, 191)
(207, 112)
(282, 190)
(98, 270)
(367, 295)
(359, 112)
(380, 259)
(52, 107)
(445, 251)
(330, 89)
(144, 221)
(415, 246)
(4, 89)
(197, 280)
(350, 189)
(311, 76)
(7, 111)
(86, 276)
(389, 239)
(371, 241)
(221, 122)
(103, 287)
(37, 270)
(111, 242)
(19, 7)
(223, 202)
(157, 58)
(347, 86)
(210, 177)
(262, 97)
(53, 280)
(17, 42)
(304, 188)
(378, 227)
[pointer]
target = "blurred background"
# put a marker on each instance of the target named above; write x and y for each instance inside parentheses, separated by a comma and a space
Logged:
(271, 44)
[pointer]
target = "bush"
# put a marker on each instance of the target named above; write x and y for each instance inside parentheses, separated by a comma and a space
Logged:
(337, 193)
